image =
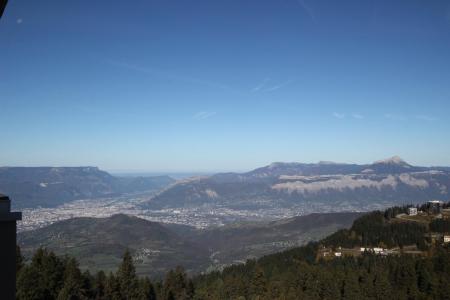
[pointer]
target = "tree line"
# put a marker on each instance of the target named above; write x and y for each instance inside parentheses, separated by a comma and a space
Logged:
(366, 277)
(292, 274)
(49, 277)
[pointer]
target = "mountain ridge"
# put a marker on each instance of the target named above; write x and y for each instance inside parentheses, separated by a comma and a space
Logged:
(383, 183)
(52, 186)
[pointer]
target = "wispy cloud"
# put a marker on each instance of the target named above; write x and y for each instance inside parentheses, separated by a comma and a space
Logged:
(168, 75)
(308, 10)
(338, 115)
(201, 115)
(278, 86)
(267, 86)
(19, 21)
(395, 117)
(426, 118)
(389, 116)
(261, 85)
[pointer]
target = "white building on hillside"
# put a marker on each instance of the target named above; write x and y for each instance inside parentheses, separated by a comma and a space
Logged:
(412, 211)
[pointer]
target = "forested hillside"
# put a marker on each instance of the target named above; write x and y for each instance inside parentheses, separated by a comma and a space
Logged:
(300, 273)
(305, 273)
(295, 275)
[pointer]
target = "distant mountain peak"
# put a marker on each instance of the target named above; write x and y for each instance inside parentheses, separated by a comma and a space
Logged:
(394, 160)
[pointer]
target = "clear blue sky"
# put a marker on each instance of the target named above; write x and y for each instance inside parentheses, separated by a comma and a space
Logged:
(210, 85)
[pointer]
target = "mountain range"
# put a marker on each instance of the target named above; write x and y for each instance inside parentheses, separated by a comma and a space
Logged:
(334, 186)
(298, 187)
(99, 243)
(51, 186)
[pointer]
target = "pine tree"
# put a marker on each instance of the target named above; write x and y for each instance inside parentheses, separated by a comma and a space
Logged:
(351, 290)
(170, 296)
(146, 290)
(328, 286)
(258, 283)
(30, 286)
(381, 285)
(424, 279)
(190, 290)
(126, 275)
(176, 285)
(73, 282)
(112, 288)
(19, 260)
(98, 287)
(88, 284)
(44, 277)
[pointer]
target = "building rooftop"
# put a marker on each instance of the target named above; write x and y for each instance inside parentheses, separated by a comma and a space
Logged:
(436, 201)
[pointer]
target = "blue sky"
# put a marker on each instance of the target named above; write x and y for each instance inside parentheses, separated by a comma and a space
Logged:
(170, 85)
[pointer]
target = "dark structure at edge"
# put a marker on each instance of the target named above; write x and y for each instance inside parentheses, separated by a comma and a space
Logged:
(8, 226)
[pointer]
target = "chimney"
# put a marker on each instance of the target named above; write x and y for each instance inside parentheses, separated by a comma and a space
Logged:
(8, 249)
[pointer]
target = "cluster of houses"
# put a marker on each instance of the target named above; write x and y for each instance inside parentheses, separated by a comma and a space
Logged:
(438, 238)
(326, 252)
(434, 209)
(377, 250)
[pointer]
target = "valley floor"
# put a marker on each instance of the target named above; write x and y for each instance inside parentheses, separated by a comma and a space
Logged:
(200, 217)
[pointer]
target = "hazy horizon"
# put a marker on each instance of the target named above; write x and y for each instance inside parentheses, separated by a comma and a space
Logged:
(199, 172)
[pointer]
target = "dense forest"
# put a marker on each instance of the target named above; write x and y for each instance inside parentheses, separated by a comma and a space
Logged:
(375, 229)
(48, 276)
(298, 273)
(289, 276)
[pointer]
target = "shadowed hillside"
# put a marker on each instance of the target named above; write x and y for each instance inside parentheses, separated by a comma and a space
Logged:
(98, 243)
